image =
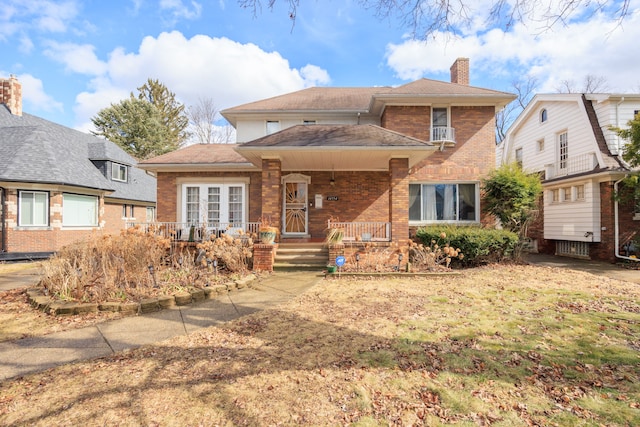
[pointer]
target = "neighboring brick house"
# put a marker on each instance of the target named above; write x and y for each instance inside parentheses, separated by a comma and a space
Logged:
(567, 138)
(384, 160)
(59, 185)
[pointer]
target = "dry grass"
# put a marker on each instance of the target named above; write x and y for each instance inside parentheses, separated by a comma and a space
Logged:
(507, 346)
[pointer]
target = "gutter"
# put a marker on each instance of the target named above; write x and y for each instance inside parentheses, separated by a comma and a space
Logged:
(617, 227)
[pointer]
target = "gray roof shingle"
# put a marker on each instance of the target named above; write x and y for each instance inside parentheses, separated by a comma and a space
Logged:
(36, 150)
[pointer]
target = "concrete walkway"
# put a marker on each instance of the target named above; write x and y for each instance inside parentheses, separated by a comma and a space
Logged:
(35, 354)
(594, 267)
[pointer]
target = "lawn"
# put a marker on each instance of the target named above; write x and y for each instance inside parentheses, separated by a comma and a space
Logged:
(499, 345)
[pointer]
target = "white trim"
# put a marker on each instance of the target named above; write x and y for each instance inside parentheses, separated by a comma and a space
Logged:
(203, 199)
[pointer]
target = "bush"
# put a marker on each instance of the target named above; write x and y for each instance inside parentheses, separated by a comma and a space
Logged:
(479, 245)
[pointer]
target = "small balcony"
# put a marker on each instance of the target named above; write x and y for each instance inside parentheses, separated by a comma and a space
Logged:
(571, 166)
(443, 135)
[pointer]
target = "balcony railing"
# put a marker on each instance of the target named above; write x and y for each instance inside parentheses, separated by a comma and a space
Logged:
(443, 134)
(195, 232)
(571, 166)
(363, 231)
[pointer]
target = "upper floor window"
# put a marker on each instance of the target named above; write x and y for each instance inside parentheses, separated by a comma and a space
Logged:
(449, 202)
(273, 126)
(563, 150)
(543, 115)
(308, 122)
(439, 117)
(34, 208)
(119, 172)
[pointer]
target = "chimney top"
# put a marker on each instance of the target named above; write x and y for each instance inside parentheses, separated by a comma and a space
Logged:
(11, 94)
(460, 71)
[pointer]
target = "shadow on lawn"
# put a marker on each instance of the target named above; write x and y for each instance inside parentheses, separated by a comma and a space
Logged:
(202, 371)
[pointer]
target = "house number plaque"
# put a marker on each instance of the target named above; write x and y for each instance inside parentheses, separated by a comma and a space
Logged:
(332, 198)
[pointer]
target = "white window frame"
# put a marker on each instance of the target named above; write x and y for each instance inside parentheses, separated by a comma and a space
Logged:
(224, 202)
(544, 115)
(21, 206)
(455, 220)
(563, 150)
(272, 126)
(73, 203)
(117, 170)
(150, 214)
(519, 156)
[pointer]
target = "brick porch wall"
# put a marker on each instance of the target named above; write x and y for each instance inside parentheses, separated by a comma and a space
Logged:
(272, 191)
(399, 200)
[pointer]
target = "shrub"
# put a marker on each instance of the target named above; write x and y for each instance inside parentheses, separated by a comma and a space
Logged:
(479, 245)
(231, 253)
(106, 267)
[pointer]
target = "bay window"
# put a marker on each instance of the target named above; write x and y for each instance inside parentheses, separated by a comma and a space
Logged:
(439, 202)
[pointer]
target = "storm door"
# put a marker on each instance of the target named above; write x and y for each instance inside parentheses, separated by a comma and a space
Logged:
(295, 208)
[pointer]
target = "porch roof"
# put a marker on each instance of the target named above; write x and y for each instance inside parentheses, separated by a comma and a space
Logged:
(336, 147)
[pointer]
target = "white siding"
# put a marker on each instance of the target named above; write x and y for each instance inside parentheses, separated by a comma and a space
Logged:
(250, 129)
(572, 220)
(615, 113)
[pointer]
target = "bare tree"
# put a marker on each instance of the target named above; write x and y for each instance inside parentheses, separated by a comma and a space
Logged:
(424, 18)
(202, 119)
(591, 84)
(524, 89)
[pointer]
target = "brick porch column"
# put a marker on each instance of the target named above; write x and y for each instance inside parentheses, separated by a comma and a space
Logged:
(272, 191)
(399, 200)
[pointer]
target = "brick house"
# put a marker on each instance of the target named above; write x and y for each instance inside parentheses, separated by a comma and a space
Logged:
(379, 161)
(566, 138)
(59, 185)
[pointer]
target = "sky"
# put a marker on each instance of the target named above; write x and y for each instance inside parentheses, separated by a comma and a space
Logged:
(74, 58)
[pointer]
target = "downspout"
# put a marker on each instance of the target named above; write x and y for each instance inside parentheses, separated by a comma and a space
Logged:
(616, 226)
(3, 210)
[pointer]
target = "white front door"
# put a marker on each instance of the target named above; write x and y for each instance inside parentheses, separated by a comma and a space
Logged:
(295, 208)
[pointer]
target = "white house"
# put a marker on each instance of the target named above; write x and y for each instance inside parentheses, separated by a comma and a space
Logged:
(567, 138)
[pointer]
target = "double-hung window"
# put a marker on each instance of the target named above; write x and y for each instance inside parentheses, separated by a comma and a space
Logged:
(79, 210)
(118, 172)
(439, 202)
(34, 208)
(273, 126)
(214, 204)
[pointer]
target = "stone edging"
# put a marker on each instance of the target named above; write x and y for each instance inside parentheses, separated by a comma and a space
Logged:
(42, 302)
(353, 274)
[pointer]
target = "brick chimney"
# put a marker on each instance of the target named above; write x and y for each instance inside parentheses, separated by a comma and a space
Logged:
(11, 95)
(460, 71)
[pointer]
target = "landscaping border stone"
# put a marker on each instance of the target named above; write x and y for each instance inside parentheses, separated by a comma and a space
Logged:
(42, 302)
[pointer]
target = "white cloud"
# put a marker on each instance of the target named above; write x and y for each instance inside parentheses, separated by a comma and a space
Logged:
(33, 93)
(179, 10)
(568, 52)
(77, 58)
(228, 72)
(47, 16)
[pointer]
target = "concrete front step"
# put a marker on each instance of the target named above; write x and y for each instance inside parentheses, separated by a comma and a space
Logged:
(301, 256)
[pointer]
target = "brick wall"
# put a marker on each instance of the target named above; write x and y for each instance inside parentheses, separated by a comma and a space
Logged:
(272, 191)
(628, 227)
(413, 121)
(54, 237)
(399, 200)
